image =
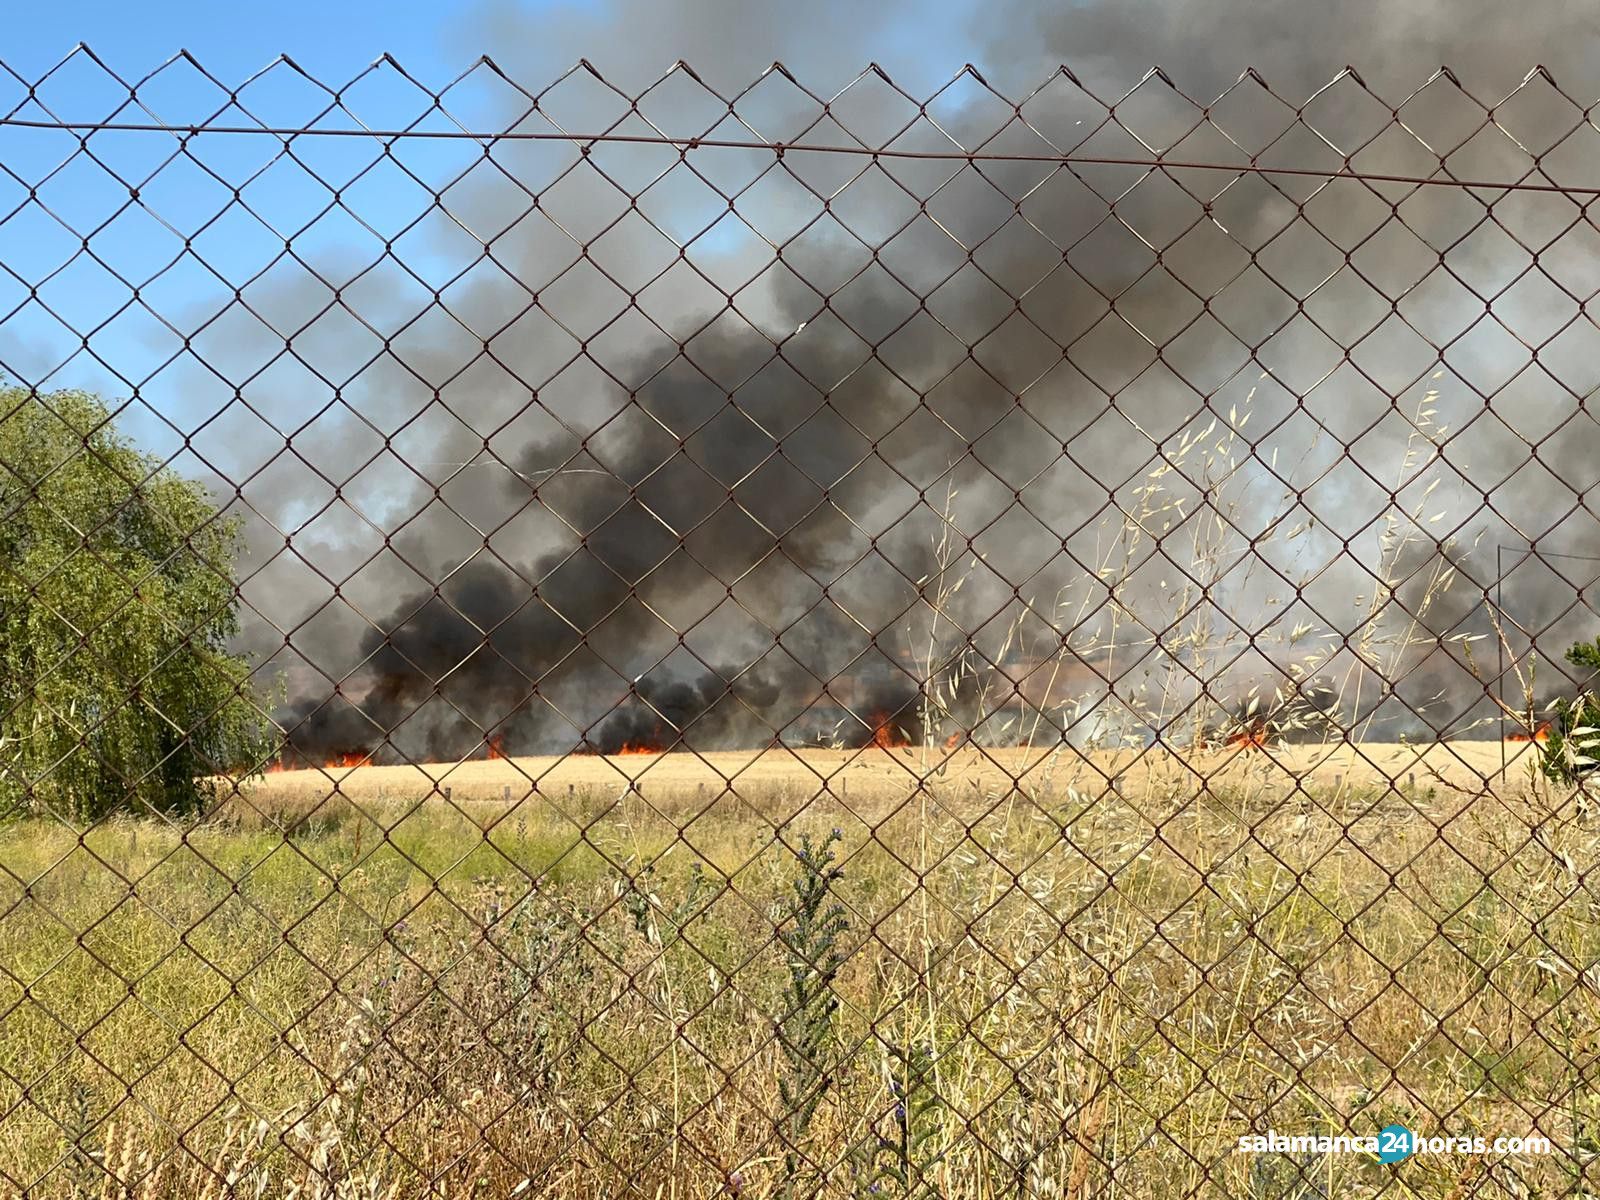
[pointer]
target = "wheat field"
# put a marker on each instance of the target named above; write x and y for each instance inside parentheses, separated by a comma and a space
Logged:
(1460, 765)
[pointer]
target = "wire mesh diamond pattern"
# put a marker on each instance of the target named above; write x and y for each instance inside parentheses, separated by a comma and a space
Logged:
(573, 640)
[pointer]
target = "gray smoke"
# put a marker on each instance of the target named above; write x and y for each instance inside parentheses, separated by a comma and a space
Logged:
(1298, 49)
(555, 483)
(1501, 564)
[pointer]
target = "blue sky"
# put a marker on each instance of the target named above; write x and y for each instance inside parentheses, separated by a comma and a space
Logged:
(729, 41)
(332, 42)
(237, 38)
(921, 43)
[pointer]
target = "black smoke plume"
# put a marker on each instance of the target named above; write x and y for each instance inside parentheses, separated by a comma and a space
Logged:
(623, 495)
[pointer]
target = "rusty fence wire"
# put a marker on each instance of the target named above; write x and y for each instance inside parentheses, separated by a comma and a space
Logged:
(570, 641)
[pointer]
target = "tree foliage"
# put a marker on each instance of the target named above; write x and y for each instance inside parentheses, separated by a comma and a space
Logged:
(117, 599)
(1572, 742)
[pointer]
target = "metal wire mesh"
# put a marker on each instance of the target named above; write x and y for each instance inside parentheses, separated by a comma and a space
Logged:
(577, 643)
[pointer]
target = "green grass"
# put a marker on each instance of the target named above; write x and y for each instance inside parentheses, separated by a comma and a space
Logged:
(1094, 995)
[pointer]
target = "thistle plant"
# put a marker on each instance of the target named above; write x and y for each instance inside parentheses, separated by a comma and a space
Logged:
(657, 922)
(895, 1161)
(813, 939)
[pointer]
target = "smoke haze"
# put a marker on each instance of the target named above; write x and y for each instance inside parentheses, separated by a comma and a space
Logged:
(557, 449)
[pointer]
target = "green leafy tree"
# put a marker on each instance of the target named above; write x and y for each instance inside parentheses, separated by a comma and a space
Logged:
(117, 599)
(1572, 744)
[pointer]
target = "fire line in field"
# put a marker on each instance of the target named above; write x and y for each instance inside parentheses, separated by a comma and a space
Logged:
(1251, 737)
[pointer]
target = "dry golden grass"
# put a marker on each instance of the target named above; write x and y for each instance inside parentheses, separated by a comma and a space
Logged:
(1466, 765)
(391, 994)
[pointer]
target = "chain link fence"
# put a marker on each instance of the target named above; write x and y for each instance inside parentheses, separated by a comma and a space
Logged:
(566, 641)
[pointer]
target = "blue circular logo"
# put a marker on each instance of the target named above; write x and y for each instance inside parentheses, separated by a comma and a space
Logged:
(1395, 1142)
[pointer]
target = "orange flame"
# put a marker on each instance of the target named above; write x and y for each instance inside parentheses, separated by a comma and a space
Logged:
(1542, 734)
(1252, 737)
(885, 734)
(495, 746)
(638, 748)
(350, 758)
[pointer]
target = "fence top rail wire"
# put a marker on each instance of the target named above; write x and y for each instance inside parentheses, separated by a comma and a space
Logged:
(780, 148)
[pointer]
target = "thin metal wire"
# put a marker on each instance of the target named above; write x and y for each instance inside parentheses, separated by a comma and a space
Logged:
(780, 148)
(829, 523)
